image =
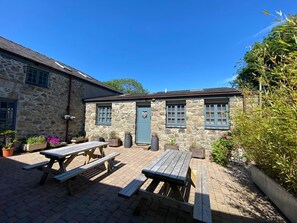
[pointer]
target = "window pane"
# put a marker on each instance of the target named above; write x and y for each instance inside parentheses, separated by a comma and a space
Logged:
(7, 114)
(36, 76)
(216, 115)
(104, 115)
(176, 115)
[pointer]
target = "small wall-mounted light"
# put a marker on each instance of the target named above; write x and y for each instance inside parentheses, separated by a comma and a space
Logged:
(66, 117)
(69, 117)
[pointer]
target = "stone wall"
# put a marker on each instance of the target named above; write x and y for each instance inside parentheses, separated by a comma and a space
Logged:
(194, 131)
(124, 118)
(40, 110)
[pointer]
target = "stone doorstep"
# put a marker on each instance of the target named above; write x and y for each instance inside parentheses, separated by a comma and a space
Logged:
(142, 146)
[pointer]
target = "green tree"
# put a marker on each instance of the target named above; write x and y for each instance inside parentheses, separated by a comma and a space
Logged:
(127, 86)
(259, 61)
(268, 131)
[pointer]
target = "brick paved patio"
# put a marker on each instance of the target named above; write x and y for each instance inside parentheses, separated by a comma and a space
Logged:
(233, 197)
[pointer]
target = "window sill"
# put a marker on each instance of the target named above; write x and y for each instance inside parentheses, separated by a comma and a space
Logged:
(216, 128)
(177, 127)
(103, 124)
(38, 85)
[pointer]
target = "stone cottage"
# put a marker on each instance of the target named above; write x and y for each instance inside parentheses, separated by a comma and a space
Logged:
(187, 117)
(39, 95)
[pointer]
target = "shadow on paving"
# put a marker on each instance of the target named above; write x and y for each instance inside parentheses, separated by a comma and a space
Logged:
(259, 206)
(96, 199)
(22, 199)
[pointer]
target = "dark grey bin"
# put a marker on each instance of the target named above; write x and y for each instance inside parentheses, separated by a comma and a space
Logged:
(154, 142)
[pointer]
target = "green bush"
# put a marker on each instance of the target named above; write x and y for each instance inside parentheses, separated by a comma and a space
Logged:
(36, 139)
(79, 138)
(268, 131)
(222, 147)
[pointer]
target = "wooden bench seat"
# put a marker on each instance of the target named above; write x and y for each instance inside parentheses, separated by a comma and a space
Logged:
(35, 166)
(68, 175)
(202, 210)
(133, 187)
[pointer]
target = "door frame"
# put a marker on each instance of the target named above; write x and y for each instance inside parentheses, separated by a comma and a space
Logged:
(142, 105)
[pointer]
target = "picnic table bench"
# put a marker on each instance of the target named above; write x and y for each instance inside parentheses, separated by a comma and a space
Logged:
(65, 155)
(173, 168)
(202, 209)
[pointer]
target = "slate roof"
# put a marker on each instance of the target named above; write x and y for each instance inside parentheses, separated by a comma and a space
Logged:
(19, 50)
(209, 92)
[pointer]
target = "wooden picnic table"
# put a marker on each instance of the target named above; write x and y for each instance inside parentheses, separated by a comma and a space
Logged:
(172, 168)
(65, 155)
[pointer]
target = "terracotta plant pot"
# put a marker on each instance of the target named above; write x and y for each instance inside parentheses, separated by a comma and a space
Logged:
(7, 152)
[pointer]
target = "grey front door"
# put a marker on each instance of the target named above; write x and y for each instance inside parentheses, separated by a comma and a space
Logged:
(143, 129)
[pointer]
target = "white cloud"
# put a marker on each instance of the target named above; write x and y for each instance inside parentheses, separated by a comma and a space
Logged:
(227, 80)
(265, 30)
(230, 79)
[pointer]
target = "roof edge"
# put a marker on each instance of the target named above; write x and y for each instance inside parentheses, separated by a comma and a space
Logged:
(233, 92)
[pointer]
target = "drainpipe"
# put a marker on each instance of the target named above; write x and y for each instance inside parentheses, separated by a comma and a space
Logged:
(68, 107)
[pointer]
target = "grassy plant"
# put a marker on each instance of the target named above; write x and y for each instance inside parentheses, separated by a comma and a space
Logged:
(79, 138)
(172, 141)
(195, 145)
(36, 139)
(113, 135)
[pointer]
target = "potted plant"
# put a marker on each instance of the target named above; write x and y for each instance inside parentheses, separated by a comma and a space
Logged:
(197, 151)
(35, 143)
(9, 141)
(78, 139)
(55, 142)
(114, 140)
(171, 144)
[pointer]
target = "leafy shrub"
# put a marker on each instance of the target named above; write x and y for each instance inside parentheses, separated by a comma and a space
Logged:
(222, 147)
(267, 131)
(8, 137)
(35, 139)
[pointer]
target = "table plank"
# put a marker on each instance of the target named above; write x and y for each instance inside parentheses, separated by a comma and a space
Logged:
(170, 167)
(176, 165)
(72, 149)
(153, 166)
(166, 162)
(176, 170)
(185, 167)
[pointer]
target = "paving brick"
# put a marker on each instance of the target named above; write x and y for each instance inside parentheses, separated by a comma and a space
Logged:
(233, 197)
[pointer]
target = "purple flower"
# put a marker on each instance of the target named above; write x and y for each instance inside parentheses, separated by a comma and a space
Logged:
(53, 140)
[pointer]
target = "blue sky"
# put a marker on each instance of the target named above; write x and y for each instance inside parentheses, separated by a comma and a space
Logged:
(164, 44)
